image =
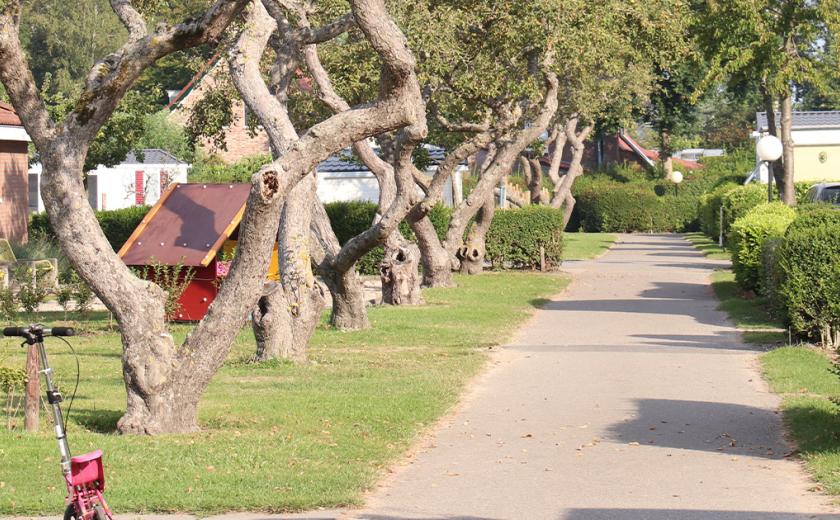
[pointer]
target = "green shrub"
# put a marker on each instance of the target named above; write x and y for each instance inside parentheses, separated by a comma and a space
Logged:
(772, 278)
(737, 202)
(613, 207)
(809, 268)
(117, 224)
(814, 215)
(709, 209)
(748, 235)
(214, 169)
(516, 236)
(348, 219)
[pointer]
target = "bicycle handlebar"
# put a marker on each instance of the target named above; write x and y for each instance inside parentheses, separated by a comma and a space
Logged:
(37, 330)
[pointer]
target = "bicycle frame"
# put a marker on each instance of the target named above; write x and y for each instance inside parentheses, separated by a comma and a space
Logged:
(83, 475)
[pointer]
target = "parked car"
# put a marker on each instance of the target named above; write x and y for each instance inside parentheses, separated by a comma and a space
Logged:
(827, 192)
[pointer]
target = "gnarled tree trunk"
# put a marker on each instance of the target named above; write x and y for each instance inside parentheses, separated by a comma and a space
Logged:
(399, 273)
(787, 189)
(436, 260)
(286, 316)
(472, 253)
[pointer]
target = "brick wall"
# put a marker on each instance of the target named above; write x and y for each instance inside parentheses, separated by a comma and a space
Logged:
(238, 141)
(14, 191)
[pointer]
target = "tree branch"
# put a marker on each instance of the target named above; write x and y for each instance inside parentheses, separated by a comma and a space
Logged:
(130, 18)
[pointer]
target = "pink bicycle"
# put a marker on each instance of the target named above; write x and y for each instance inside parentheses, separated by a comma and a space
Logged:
(83, 475)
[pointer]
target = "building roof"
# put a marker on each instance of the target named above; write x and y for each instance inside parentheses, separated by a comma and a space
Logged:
(188, 225)
(152, 156)
(8, 116)
(626, 143)
(345, 161)
(803, 119)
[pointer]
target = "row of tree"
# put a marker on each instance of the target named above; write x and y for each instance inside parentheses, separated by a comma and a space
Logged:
(481, 77)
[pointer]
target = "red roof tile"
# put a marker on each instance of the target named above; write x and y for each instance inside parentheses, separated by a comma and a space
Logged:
(8, 116)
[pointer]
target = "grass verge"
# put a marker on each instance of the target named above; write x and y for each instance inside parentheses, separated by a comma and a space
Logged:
(708, 246)
(585, 246)
(810, 388)
(749, 314)
(275, 436)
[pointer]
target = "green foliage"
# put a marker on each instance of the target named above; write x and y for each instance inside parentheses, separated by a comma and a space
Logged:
(8, 303)
(349, 219)
(73, 289)
(516, 236)
(209, 118)
(809, 265)
(747, 237)
(173, 279)
(737, 202)
(814, 215)
(121, 134)
(160, 132)
(117, 225)
(30, 289)
(709, 209)
(613, 207)
(12, 380)
(214, 169)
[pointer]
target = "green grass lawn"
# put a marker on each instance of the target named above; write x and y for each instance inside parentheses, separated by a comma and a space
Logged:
(275, 436)
(810, 387)
(707, 245)
(585, 246)
(749, 314)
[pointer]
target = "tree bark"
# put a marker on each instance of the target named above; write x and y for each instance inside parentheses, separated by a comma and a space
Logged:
(472, 253)
(665, 154)
(437, 262)
(32, 405)
(535, 184)
(285, 318)
(163, 382)
(563, 194)
(400, 274)
(773, 129)
(787, 189)
(349, 310)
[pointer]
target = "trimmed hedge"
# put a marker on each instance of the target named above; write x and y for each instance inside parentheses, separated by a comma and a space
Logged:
(809, 269)
(348, 219)
(614, 207)
(747, 237)
(737, 202)
(516, 235)
(117, 224)
(709, 209)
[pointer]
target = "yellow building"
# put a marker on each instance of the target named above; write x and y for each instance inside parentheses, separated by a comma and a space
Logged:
(816, 139)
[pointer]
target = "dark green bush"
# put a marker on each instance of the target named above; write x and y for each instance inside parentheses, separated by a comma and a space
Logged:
(809, 268)
(813, 215)
(348, 219)
(709, 209)
(772, 277)
(117, 224)
(516, 235)
(747, 237)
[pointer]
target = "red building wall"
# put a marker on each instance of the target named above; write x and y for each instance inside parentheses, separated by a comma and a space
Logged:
(14, 190)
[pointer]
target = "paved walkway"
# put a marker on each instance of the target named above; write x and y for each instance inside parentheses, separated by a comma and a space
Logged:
(629, 397)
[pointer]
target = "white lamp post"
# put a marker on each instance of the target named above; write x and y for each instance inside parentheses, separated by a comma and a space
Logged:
(769, 149)
(676, 178)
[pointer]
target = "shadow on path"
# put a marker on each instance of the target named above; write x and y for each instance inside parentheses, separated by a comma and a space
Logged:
(685, 514)
(703, 426)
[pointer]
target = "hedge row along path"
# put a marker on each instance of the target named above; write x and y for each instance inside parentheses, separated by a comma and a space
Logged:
(628, 397)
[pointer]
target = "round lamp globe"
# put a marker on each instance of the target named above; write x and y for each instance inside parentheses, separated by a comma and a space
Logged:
(769, 148)
(676, 177)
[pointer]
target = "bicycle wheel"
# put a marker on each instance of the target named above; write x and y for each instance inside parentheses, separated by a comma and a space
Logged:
(99, 512)
(70, 513)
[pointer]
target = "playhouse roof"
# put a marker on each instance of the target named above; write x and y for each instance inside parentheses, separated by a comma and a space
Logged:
(189, 224)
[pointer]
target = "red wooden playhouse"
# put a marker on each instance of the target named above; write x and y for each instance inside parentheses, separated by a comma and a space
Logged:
(192, 225)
